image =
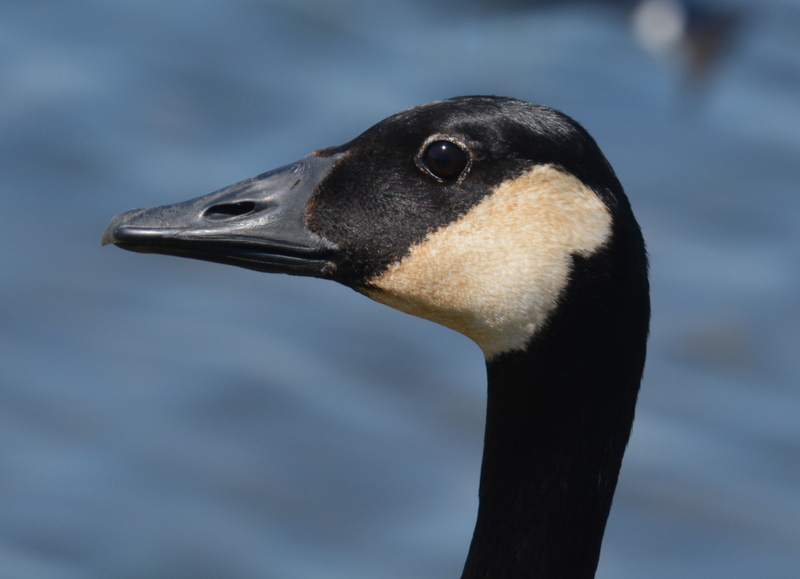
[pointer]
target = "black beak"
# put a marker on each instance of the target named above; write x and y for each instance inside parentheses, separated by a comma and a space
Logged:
(258, 224)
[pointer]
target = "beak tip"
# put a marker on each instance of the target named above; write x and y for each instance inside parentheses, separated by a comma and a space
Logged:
(108, 236)
(110, 233)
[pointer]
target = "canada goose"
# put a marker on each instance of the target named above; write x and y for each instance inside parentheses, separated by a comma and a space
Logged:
(504, 221)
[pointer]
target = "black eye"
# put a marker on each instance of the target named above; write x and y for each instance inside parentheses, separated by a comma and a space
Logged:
(445, 160)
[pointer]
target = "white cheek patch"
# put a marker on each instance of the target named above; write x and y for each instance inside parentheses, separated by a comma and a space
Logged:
(497, 272)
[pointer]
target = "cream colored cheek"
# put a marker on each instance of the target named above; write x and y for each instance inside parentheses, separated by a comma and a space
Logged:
(496, 274)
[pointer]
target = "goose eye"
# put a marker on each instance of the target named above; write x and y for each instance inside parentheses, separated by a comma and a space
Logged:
(445, 160)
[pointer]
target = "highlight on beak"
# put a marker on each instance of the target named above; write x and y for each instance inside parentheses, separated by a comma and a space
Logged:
(258, 224)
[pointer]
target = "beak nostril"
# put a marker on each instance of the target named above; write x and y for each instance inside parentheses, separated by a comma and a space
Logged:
(227, 210)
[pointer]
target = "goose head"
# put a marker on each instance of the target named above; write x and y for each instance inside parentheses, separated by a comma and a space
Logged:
(468, 212)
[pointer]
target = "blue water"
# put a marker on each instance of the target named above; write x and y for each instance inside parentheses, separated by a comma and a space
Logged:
(168, 418)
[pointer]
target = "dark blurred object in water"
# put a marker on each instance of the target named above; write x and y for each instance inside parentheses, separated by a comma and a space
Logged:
(694, 35)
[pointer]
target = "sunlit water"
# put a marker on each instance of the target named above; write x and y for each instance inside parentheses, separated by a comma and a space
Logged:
(167, 418)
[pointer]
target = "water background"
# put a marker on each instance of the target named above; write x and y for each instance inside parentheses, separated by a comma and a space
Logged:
(168, 418)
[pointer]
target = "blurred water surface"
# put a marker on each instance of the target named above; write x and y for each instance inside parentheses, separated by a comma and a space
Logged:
(167, 418)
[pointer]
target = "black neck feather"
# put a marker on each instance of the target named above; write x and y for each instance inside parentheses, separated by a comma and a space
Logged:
(559, 415)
